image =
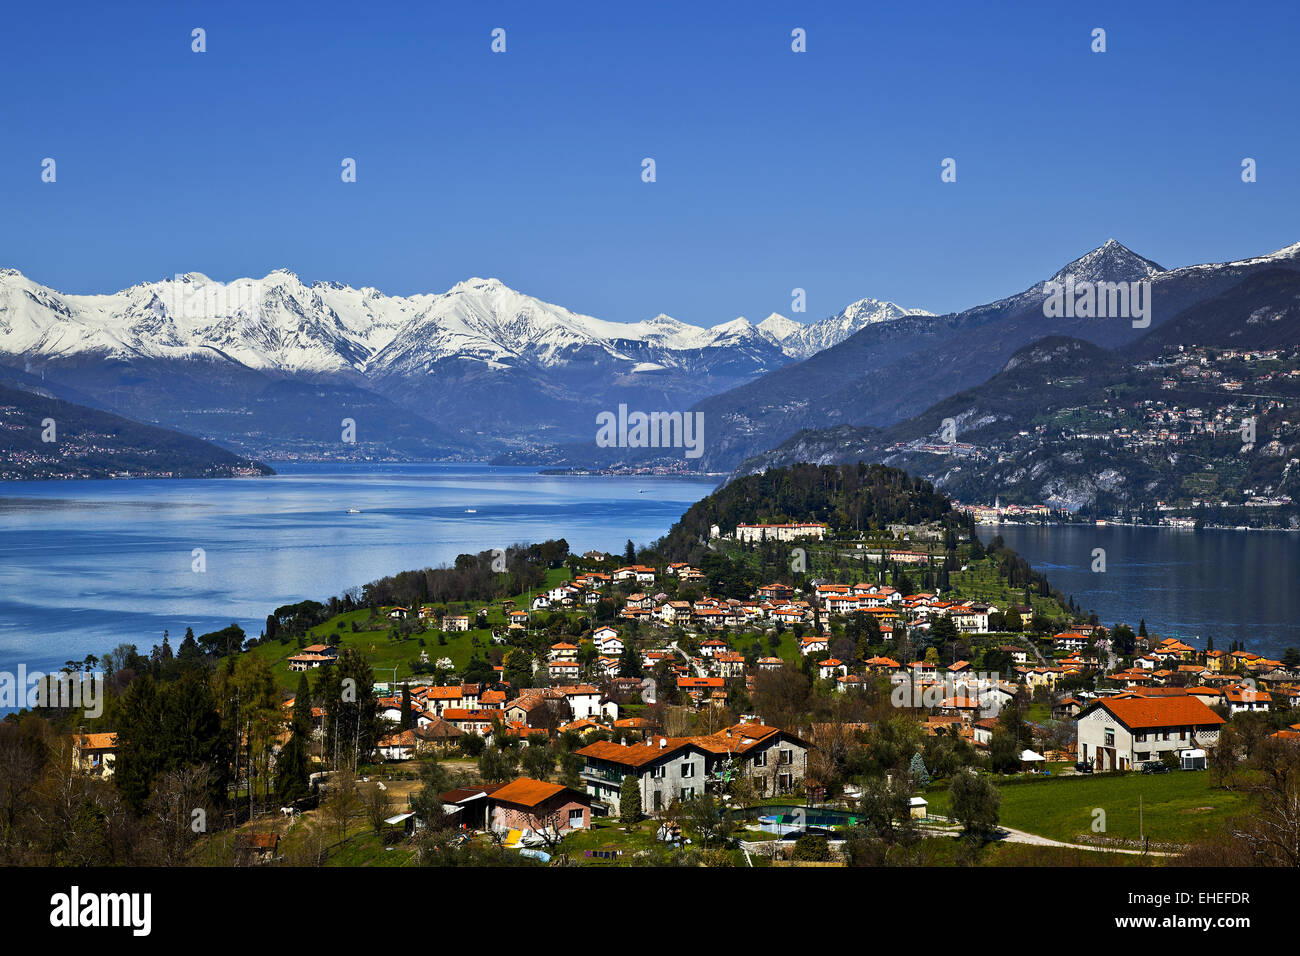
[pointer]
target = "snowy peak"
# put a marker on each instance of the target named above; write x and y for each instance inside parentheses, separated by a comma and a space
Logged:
(278, 323)
(805, 340)
(778, 328)
(1112, 261)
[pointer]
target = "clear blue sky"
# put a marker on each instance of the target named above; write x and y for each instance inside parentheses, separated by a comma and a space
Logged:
(775, 170)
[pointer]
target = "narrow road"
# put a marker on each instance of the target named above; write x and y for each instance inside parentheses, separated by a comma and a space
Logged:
(1020, 836)
(1012, 835)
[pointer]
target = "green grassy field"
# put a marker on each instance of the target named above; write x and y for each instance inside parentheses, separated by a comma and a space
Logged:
(787, 650)
(1177, 807)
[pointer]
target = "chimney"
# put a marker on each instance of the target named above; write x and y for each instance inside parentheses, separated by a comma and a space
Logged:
(662, 743)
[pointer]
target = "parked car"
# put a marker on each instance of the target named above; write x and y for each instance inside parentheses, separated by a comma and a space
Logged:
(1083, 767)
(1155, 766)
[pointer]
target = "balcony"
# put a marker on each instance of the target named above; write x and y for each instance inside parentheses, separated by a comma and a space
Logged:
(601, 776)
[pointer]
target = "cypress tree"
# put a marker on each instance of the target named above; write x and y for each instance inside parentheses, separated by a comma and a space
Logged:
(292, 770)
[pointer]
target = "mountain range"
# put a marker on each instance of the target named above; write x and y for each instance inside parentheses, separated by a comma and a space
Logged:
(44, 437)
(480, 367)
(889, 372)
(274, 366)
(1068, 423)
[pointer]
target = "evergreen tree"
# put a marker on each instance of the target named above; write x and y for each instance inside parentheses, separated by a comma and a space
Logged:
(629, 801)
(629, 662)
(189, 654)
(139, 735)
(293, 769)
(920, 776)
(405, 722)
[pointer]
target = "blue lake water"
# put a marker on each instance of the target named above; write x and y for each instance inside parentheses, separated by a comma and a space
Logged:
(86, 565)
(1229, 585)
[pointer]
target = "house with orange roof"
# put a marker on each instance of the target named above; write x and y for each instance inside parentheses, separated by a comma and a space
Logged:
(1123, 732)
(665, 768)
(398, 746)
(813, 644)
(526, 804)
(94, 754)
(831, 668)
(639, 573)
(1244, 699)
(728, 664)
(850, 682)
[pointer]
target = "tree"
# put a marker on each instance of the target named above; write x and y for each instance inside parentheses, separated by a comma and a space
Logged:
(629, 801)
(342, 806)
(810, 848)
(292, 769)
(177, 804)
(781, 696)
(707, 818)
(426, 803)
(139, 741)
(404, 723)
(1223, 755)
(351, 709)
(920, 776)
(538, 758)
(496, 765)
(886, 810)
(1004, 752)
(975, 802)
(378, 806)
(629, 662)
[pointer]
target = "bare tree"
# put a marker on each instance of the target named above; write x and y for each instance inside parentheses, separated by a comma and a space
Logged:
(378, 807)
(177, 812)
(342, 806)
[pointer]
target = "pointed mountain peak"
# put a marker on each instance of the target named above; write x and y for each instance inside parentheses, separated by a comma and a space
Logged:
(778, 326)
(736, 325)
(1112, 261)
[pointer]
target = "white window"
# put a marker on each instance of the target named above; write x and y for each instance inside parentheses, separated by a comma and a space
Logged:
(688, 770)
(575, 818)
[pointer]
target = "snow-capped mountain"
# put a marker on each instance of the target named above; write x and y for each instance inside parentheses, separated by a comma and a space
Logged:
(800, 341)
(278, 323)
(490, 359)
(890, 371)
(1112, 261)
